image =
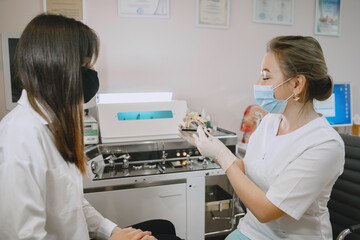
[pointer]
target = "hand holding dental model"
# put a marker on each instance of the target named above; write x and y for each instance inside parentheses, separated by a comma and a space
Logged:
(208, 145)
(191, 120)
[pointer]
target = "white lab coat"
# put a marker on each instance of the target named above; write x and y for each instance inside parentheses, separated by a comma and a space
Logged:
(41, 196)
(297, 172)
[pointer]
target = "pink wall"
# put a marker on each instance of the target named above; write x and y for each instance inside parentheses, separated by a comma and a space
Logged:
(210, 68)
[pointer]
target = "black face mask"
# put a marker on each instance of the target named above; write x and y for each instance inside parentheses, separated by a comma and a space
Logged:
(90, 83)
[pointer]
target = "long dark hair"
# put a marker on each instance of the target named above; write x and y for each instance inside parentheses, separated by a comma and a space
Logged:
(48, 60)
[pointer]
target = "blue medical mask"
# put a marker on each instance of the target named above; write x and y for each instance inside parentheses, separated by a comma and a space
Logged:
(264, 96)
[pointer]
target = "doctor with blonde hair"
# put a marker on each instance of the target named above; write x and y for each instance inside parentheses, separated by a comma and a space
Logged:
(294, 157)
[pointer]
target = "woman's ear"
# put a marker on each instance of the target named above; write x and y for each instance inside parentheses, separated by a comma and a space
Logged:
(300, 83)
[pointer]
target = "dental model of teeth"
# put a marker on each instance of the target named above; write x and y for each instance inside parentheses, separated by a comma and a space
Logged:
(193, 119)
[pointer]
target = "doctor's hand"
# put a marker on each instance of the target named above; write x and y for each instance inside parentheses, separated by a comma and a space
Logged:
(186, 135)
(212, 147)
(130, 234)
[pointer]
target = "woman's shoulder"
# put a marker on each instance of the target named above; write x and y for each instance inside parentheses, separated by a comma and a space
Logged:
(21, 129)
(324, 130)
(19, 123)
(320, 133)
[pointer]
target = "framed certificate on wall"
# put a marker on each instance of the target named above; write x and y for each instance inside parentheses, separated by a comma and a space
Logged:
(70, 8)
(213, 14)
(327, 18)
(274, 11)
(144, 8)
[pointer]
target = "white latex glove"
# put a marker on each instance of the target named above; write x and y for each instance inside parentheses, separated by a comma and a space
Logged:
(186, 135)
(212, 147)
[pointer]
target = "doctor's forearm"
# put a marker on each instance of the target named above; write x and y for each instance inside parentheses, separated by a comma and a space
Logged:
(240, 163)
(252, 196)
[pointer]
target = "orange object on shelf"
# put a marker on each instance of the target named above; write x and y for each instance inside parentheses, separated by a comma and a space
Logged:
(356, 125)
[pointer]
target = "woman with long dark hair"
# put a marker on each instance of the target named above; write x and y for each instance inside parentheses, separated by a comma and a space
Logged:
(42, 141)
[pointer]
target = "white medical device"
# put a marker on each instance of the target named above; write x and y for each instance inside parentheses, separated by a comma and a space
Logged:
(91, 129)
(125, 122)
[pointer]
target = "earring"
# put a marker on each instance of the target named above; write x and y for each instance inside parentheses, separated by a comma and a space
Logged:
(296, 97)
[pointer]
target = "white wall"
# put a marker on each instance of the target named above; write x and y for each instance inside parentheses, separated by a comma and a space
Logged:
(210, 68)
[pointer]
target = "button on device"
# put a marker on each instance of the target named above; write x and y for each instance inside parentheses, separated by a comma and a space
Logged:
(184, 154)
(178, 153)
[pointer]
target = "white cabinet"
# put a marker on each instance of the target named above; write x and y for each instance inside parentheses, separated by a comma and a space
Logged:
(181, 203)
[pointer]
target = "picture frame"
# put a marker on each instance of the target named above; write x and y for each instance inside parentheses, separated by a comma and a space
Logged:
(210, 14)
(70, 8)
(273, 11)
(144, 8)
(328, 17)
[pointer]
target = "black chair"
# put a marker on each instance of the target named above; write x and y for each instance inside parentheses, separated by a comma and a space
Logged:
(344, 203)
(160, 228)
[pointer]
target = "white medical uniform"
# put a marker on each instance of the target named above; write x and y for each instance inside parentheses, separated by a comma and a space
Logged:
(297, 172)
(41, 195)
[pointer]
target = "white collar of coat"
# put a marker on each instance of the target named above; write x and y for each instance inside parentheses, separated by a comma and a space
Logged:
(23, 101)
